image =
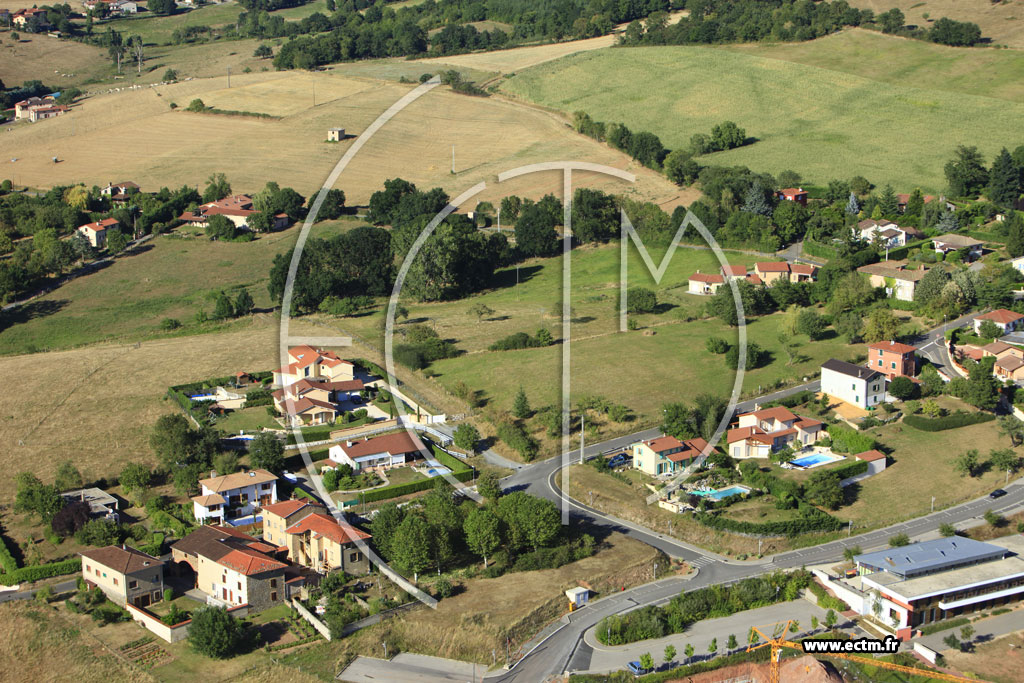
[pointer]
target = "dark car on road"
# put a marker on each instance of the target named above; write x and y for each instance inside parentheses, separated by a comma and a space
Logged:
(998, 493)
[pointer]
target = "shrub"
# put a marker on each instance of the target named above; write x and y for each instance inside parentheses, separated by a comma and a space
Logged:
(41, 571)
(845, 440)
(952, 421)
(443, 587)
(826, 601)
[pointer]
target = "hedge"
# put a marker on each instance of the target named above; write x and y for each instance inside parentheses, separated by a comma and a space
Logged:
(812, 519)
(943, 625)
(826, 601)
(850, 469)
(904, 251)
(41, 571)
(845, 440)
(7, 560)
(450, 461)
(396, 490)
(954, 421)
(819, 250)
(791, 401)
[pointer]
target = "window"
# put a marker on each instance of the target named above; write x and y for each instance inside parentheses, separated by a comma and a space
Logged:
(354, 557)
(273, 583)
(879, 362)
(879, 352)
(273, 597)
(894, 365)
(115, 580)
(88, 569)
(133, 584)
(239, 585)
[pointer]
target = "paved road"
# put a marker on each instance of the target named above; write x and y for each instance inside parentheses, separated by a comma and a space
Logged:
(62, 587)
(564, 650)
(984, 630)
(410, 668)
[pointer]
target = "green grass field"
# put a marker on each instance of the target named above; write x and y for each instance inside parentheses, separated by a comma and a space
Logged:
(819, 122)
(636, 368)
(172, 278)
(900, 61)
(157, 30)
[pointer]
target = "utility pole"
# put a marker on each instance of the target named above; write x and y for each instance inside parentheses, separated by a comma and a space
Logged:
(583, 418)
(314, 97)
(933, 506)
(849, 529)
(453, 159)
(229, 76)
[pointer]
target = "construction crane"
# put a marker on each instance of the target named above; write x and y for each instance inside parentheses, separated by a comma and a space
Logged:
(778, 641)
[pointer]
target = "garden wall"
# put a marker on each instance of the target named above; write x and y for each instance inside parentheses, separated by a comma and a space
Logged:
(172, 634)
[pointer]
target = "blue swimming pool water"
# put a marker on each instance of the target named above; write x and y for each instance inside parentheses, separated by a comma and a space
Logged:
(814, 460)
(723, 493)
(435, 471)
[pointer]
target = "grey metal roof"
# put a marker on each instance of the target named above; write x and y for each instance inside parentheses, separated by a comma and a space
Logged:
(858, 371)
(930, 556)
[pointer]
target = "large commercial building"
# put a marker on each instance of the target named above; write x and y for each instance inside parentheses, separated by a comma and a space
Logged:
(926, 582)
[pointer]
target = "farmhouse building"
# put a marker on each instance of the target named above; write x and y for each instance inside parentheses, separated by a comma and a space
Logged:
(761, 432)
(705, 283)
(951, 242)
(233, 496)
(792, 194)
(96, 232)
(236, 208)
(24, 18)
(903, 199)
(315, 365)
(860, 386)
(666, 454)
(1005, 320)
(926, 582)
(125, 575)
(770, 272)
(279, 516)
(378, 453)
(118, 192)
(101, 503)
(24, 108)
(892, 359)
(41, 113)
(319, 542)
(899, 281)
(232, 568)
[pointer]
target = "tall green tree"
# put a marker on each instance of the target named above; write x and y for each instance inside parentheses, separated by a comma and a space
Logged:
(217, 187)
(966, 173)
(68, 477)
(1004, 180)
(521, 405)
(243, 303)
(215, 633)
(384, 525)
(483, 532)
(266, 452)
(411, 545)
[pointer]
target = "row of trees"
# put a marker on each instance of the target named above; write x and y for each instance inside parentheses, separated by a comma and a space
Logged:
(440, 531)
(1002, 182)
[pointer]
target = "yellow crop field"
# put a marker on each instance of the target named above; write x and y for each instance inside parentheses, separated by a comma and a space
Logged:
(135, 134)
(1002, 22)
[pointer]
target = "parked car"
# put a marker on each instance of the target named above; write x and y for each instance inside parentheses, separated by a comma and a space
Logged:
(998, 493)
(618, 460)
(636, 669)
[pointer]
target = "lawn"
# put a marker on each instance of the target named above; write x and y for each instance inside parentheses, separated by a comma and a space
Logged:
(651, 358)
(922, 468)
(818, 122)
(248, 420)
(999, 661)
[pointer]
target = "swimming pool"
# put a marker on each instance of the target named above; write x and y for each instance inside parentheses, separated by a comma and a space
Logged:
(435, 471)
(815, 460)
(722, 493)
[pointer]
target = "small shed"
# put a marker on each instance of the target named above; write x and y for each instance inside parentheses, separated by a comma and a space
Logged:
(875, 460)
(335, 134)
(578, 597)
(242, 378)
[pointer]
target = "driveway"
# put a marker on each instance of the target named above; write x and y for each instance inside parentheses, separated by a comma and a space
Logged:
(410, 668)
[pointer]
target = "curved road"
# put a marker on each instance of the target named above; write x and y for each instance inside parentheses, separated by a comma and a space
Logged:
(564, 650)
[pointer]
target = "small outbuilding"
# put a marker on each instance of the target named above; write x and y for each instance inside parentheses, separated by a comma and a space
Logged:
(335, 134)
(578, 597)
(874, 459)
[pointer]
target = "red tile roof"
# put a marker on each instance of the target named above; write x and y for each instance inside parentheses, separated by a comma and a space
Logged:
(772, 266)
(324, 525)
(793, 191)
(100, 226)
(804, 269)
(286, 508)
(692, 448)
(707, 277)
(250, 562)
(663, 443)
(869, 456)
(734, 270)
(893, 346)
(1001, 315)
(229, 482)
(394, 444)
(743, 433)
(780, 413)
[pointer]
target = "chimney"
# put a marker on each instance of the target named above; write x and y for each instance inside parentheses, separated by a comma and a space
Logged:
(213, 473)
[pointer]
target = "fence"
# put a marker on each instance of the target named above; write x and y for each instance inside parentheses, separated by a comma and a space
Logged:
(172, 634)
(320, 626)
